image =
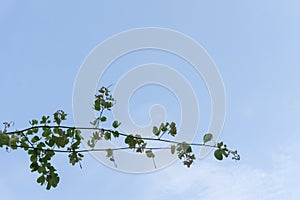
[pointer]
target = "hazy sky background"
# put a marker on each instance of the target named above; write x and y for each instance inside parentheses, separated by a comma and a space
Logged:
(255, 45)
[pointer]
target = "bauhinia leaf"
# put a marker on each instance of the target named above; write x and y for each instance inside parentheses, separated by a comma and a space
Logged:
(207, 137)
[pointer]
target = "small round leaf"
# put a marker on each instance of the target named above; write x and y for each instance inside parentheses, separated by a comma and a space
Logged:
(218, 154)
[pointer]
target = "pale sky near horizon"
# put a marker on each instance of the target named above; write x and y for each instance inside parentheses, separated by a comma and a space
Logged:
(255, 45)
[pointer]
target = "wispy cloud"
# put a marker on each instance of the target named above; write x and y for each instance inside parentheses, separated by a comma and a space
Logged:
(207, 179)
(213, 180)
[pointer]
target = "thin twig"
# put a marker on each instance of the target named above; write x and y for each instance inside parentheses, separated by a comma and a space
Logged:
(88, 150)
(104, 130)
(108, 130)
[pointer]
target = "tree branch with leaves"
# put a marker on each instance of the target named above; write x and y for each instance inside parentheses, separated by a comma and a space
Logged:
(47, 137)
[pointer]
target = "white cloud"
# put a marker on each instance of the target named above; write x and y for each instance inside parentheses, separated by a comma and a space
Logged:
(227, 181)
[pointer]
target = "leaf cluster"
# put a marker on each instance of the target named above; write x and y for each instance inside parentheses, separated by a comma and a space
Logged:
(41, 142)
(222, 151)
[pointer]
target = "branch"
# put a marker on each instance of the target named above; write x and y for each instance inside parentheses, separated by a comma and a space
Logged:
(103, 130)
(88, 150)
(41, 147)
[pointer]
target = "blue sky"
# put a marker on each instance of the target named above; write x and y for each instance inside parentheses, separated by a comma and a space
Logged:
(255, 45)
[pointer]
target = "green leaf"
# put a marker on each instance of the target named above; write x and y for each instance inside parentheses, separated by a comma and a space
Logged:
(61, 142)
(109, 153)
(107, 135)
(116, 134)
(48, 187)
(80, 155)
(44, 119)
(46, 132)
(63, 115)
(103, 119)
(33, 158)
(173, 129)
(35, 139)
(41, 145)
(51, 142)
(116, 124)
(13, 141)
(108, 105)
(4, 139)
(42, 169)
(207, 137)
(185, 146)
(220, 144)
(97, 105)
(35, 130)
(41, 179)
(164, 127)
(70, 132)
(155, 131)
(54, 179)
(130, 140)
(33, 122)
(34, 166)
(189, 150)
(218, 154)
(73, 158)
(77, 135)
